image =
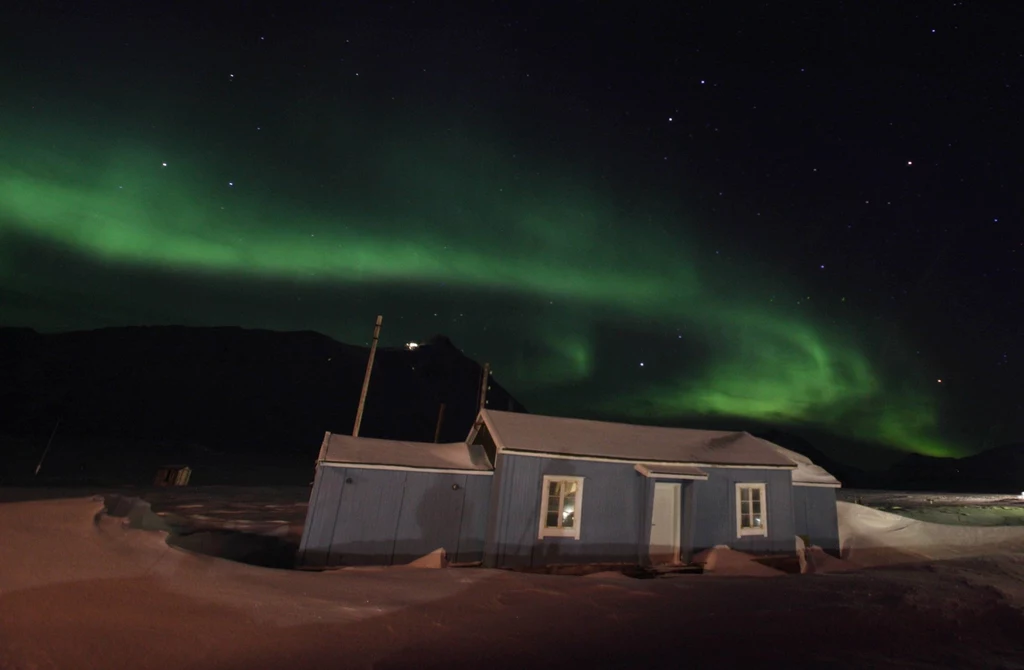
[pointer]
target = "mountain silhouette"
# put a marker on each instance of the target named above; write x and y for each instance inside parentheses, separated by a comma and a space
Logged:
(131, 398)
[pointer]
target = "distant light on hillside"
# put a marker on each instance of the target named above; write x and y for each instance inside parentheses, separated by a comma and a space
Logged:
(411, 345)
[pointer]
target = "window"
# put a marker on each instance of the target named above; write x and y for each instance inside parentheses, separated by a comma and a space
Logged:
(751, 512)
(561, 501)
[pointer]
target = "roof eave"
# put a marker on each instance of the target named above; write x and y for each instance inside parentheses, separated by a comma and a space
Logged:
(620, 459)
(403, 468)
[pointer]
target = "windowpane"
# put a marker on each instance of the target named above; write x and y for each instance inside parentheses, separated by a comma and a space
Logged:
(558, 505)
(569, 507)
(751, 514)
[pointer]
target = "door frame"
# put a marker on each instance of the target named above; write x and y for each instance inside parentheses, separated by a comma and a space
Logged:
(677, 534)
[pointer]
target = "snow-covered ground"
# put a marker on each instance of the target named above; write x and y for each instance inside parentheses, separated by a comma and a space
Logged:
(962, 509)
(80, 588)
(873, 498)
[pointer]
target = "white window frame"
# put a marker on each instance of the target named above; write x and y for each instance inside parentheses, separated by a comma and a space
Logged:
(573, 532)
(746, 532)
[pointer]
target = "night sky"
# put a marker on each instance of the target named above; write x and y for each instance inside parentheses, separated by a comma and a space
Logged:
(802, 214)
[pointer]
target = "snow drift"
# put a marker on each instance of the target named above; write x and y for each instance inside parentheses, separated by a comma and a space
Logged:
(871, 537)
(81, 588)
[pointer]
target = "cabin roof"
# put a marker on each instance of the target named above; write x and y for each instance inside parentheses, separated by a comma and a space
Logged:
(806, 472)
(584, 438)
(346, 449)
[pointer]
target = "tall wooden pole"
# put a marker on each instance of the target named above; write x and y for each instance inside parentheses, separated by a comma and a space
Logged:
(440, 418)
(483, 386)
(49, 442)
(366, 379)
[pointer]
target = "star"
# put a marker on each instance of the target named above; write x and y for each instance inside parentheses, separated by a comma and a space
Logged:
(164, 164)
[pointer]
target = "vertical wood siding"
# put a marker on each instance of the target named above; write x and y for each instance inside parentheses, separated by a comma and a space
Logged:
(474, 519)
(431, 517)
(614, 506)
(310, 511)
(321, 516)
(815, 515)
(494, 506)
(686, 538)
(380, 517)
(368, 514)
(714, 509)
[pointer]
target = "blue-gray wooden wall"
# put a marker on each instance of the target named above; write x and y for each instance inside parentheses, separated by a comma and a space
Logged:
(614, 516)
(815, 514)
(380, 517)
(714, 510)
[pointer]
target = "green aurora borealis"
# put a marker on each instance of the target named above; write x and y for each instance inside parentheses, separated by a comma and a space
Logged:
(547, 275)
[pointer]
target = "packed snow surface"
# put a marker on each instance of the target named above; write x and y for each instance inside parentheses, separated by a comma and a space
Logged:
(875, 537)
(80, 588)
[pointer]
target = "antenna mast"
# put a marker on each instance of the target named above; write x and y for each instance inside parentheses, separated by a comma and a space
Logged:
(366, 379)
(483, 386)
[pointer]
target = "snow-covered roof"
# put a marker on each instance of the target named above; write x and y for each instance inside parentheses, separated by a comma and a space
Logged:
(371, 451)
(807, 473)
(602, 439)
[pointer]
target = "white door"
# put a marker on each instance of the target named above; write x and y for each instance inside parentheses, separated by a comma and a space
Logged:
(666, 522)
